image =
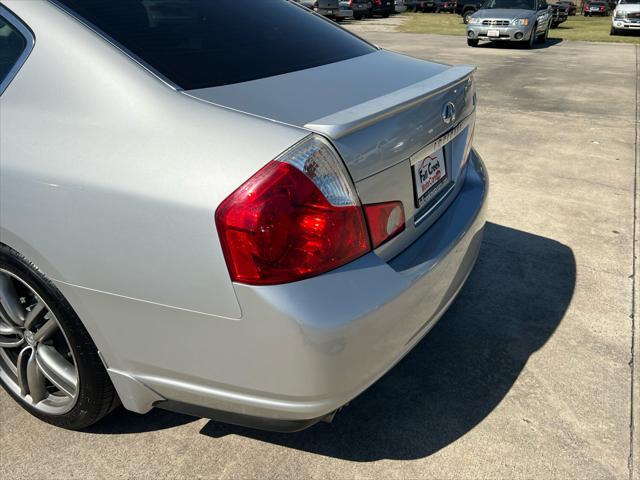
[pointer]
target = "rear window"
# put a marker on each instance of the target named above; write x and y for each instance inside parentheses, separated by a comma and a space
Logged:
(208, 43)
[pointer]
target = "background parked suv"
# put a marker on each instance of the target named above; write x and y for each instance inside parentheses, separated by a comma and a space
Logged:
(560, 12)
(361, 8)
(448, 6)
(466, 8)
(383, 7)
(571, 7)
(335, 9)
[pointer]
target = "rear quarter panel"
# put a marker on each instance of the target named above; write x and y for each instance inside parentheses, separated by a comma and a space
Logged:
(110, 179)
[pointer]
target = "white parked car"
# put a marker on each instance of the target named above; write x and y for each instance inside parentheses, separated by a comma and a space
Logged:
(626, 16)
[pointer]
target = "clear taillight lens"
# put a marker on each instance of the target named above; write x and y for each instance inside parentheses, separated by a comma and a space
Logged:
(297, 217)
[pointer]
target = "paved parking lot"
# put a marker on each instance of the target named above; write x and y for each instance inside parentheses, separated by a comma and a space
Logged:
(530, 372)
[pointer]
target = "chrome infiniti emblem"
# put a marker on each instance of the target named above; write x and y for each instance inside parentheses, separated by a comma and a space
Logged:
(448, 113)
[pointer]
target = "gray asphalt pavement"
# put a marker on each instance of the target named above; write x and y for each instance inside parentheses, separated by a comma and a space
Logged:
(529, 375)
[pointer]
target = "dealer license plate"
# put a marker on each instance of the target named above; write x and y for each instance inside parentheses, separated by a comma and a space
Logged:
(430, 177)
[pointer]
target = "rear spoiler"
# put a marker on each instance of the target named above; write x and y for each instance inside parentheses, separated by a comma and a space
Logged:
(350, 120)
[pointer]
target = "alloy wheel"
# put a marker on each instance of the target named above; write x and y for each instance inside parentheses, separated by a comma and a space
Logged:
(36, 360)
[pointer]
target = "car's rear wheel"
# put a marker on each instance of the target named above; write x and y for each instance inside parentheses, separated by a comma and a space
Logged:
(472, 42)
(48, 362)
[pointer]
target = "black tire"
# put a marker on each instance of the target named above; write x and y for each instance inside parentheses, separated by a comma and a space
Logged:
(542, 38)
(613, 31)
(385, 15)
(357, 16)
(472, 42)
(96, 396)
(532, 39)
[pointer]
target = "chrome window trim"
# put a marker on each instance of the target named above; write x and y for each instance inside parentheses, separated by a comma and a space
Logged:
(22, 28)
(117, 45)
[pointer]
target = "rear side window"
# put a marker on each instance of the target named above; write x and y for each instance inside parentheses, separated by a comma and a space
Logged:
(208, 43)
(12, 45)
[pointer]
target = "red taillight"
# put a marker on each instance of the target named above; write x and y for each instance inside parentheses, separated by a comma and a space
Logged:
(279, 226)
(385, 221)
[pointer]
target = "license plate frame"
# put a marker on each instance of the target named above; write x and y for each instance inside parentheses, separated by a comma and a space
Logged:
(430, 178)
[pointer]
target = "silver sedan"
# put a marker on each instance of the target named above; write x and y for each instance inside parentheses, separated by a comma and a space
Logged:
(182, 226)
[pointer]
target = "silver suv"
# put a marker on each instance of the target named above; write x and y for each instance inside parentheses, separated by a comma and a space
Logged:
(524, 21)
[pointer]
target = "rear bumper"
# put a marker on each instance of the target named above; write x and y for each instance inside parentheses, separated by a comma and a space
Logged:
(314, 345)
(510, 33)
(382, 10)
(300, 350)
(427, 6)
(335, 13)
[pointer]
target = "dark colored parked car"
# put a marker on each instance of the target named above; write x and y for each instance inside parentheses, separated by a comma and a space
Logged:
(426, 6)
(411, 5)
(571, 6)
(592, 9)
(383, 8)
(466, 8)
(560, 14)
(448, 6)
(360, 8)
(438, 6)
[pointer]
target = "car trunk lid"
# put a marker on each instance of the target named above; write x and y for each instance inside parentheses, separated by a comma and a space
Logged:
(385, 113)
